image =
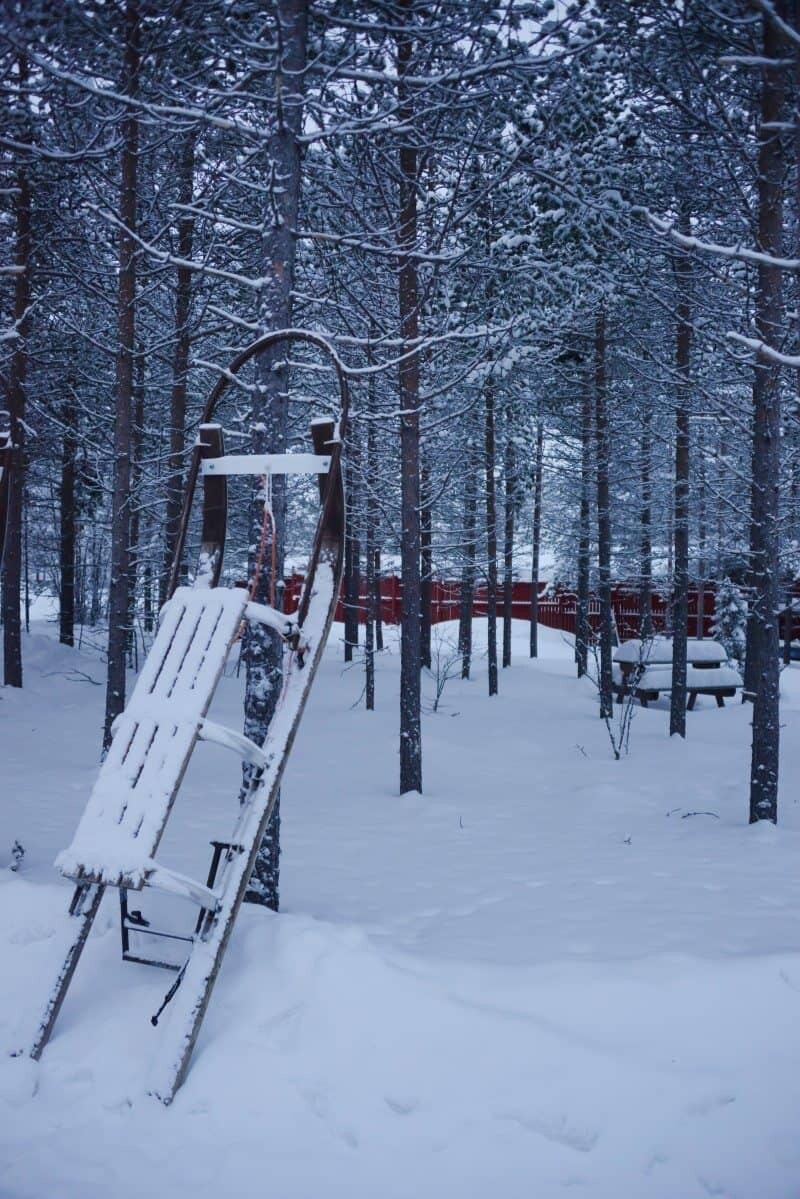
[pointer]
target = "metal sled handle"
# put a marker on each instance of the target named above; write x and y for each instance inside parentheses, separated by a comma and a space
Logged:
(327, 514)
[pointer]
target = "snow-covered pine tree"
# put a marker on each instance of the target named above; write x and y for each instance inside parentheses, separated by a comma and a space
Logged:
(730, 620)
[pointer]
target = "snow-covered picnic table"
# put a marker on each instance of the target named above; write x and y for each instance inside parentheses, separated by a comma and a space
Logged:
(646, 667)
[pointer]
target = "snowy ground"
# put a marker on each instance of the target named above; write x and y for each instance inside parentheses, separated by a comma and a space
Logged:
(544, 976)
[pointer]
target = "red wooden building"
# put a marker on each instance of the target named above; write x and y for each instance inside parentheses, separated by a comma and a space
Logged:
(557, 606)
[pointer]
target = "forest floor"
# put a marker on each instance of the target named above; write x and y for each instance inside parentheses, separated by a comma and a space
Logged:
(554, 972)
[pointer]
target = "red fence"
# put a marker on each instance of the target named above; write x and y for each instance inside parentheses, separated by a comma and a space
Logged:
(557, 608)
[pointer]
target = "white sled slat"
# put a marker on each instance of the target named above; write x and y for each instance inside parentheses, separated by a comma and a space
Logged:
(131, 800)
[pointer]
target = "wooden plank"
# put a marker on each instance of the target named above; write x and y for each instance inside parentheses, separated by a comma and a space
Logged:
(267, 464)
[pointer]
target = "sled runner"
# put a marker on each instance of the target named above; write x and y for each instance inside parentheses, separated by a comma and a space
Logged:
(118, 836)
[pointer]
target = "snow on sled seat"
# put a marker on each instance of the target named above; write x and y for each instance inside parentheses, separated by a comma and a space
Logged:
(153, 740)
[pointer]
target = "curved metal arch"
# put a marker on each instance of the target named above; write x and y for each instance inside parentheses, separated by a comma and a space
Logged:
(332, 512)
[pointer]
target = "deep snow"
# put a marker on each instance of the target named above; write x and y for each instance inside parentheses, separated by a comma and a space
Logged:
(542, 975)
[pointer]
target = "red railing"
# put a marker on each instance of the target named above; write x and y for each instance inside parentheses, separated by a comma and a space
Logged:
(557, 607)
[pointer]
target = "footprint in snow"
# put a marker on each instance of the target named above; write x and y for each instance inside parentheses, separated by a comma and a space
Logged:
(557, 1129)
(401, 1107)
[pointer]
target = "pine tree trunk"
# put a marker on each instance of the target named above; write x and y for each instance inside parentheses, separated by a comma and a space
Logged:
(426, 566)
(180, 362)
(269, 416)
(510, 472)
(408, 297)
(491, 538)
(370, 528)
(378, 609)
(147, 596)
(467, 590)
(582, 630)
(67, 522)
(765, 526)
(137, 437)
(645, 535)
(680, 587)
(536, 542)
(126, 345)
(702, 541)
(18, 368)
(352, 548)
(603, 455)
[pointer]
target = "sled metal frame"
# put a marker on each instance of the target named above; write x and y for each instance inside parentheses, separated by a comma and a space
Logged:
(221, 897)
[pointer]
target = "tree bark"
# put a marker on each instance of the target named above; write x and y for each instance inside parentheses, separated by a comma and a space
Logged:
(134, 542)
(645, 535)
(766, 442)
(491, 538)
(180, 361)
(603, 515)
(510, 472)
(67, 523)
(537, 539)
(582, 630)
(263, 651)
(702, 542)
(426, 567)
(352, 548)
(370, 528)
(680, 586)
(378, 610)
(408, 297)
(126, 346)
(18, 369)
(467, 591)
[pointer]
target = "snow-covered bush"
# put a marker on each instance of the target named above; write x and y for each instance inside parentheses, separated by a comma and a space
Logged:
(730, 620)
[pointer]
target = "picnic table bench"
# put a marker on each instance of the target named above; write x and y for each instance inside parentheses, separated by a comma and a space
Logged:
(647, 669)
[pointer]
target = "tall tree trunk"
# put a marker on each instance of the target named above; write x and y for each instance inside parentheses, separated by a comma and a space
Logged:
(378, 608)
(370, 531)
(536, 542)
(680, 586)
(408, 297)
(67, 522)
(126, 346)
(426, 567)
(467, 591)
(645, 534)
(510, 472)
(702, 542)
(263, 651)
(352, 547)
(721, 471)
(603, 515)
(147, 595)
(180, 360)
(12, 559)
(765, 563)
(582, 630)
(137, 438)
(491, 538)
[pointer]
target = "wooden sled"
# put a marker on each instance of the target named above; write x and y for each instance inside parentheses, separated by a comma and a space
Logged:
(118, 837)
